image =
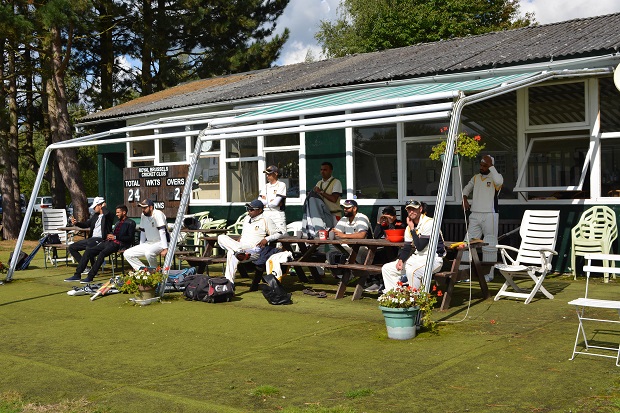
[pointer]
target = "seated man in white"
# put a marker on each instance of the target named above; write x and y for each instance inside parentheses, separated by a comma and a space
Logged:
(417, 237)
(153, 237)
(258, 230)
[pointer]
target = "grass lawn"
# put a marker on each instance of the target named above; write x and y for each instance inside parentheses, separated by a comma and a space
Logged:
(69, 354)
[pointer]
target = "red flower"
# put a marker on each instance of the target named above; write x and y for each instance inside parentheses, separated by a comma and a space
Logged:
(399, 283)
(439, 293)
(444, 129)
(477, 138)
(434, 288)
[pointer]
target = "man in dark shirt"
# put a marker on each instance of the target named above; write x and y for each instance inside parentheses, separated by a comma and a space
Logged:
(121, 238)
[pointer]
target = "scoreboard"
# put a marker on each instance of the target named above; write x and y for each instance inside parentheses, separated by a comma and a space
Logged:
(163, 184)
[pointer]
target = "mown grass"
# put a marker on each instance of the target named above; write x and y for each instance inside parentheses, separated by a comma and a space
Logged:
(65, 354)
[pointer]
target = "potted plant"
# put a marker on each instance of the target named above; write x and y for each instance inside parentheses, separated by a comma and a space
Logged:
(142, 283)
(467, 146)
(400, 307)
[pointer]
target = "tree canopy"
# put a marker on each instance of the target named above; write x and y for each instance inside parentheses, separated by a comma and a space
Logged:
(370, 25)
(64, 58)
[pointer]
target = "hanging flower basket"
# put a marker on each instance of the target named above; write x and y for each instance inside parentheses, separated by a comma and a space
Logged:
(467, 146)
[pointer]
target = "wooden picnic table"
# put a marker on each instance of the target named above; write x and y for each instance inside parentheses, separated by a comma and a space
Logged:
(308, 247)
(201, 262)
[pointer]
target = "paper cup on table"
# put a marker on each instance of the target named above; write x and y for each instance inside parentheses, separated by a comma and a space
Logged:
(332, 235)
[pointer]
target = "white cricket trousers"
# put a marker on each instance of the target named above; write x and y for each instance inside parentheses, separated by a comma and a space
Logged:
(149, 250)
(483, 225)
(413, 269)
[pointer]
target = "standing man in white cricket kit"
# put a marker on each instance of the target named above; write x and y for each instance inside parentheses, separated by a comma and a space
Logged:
(484, 218)
(153, 237)
(273, 197)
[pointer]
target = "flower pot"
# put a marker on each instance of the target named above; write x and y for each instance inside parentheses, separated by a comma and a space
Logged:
(400, 322)
(146, 292)
(455, 159)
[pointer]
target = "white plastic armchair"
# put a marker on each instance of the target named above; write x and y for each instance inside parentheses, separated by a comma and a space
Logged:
(237, 227)
(533, 257)
(594, 233)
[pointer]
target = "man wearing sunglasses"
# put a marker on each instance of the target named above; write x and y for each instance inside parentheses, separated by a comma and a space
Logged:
(484, 218)
(411, 260)
(258, 230)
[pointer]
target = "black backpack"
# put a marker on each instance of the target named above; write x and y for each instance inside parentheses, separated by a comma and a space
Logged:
(273, 292)
(21, 259)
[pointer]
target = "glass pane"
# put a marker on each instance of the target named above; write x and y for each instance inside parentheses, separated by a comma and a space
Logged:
(375, 162)
(556, 104)
(206, 183)
(610, 105)
(144, 148)
(558, 163)
(288, 165)
(282, 140)
(241, 148)
(495, 120)
(172, 149)
(209, 146)
(610, 167)
(242, 185)
(422, 173)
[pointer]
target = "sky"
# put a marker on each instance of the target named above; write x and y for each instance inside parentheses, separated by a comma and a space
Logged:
(302, 17)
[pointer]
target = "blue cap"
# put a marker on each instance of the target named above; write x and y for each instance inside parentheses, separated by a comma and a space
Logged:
(146, 203)
(256, 204)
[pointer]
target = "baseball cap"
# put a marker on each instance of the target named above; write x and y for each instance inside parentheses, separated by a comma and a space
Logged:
(98, 200)
(390, 210)
(272, 169)
(349, 203)
(412, 203)
(256, 204)
(146, 203)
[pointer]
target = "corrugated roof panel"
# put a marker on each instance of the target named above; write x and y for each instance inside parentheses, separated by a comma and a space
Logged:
(385, 93)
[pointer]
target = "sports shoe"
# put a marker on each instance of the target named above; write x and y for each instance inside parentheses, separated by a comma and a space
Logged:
(77, 291)
(87, 280)
(489, 277)
(86, 271)
(75, 278)
(373, 288)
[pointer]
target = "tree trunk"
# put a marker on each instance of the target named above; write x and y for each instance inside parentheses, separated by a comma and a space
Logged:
(147, 48)
(11, 211)
(60, 127)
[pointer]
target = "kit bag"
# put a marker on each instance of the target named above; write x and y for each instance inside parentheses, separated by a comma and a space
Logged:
(200, 287)
(220, 290)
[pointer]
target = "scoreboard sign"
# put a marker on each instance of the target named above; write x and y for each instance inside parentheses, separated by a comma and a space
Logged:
(163, 184)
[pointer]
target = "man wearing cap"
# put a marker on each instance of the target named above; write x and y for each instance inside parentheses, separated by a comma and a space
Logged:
(100, 224)
(258, 230)
(153, 237)
(412, 256)
(353, 225)
(330, 190)
(121, 237)
(484, 218)
(273, 198)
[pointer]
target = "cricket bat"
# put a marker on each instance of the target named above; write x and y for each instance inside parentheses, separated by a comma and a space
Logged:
(104, 289)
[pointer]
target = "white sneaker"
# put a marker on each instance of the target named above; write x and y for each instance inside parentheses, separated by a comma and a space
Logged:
(77, 291)
(373, 288)
(489, 277)
(86, 270)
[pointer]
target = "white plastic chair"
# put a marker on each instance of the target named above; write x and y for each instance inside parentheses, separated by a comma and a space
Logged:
(237, 227)
(53, 219)
(594, 233)
(538, 235)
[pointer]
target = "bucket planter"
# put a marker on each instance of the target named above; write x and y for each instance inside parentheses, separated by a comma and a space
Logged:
(455, 160)
(146, 292)
(400, 322)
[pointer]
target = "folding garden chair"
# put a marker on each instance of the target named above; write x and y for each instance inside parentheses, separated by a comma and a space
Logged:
(538, 235)
(600, 339)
